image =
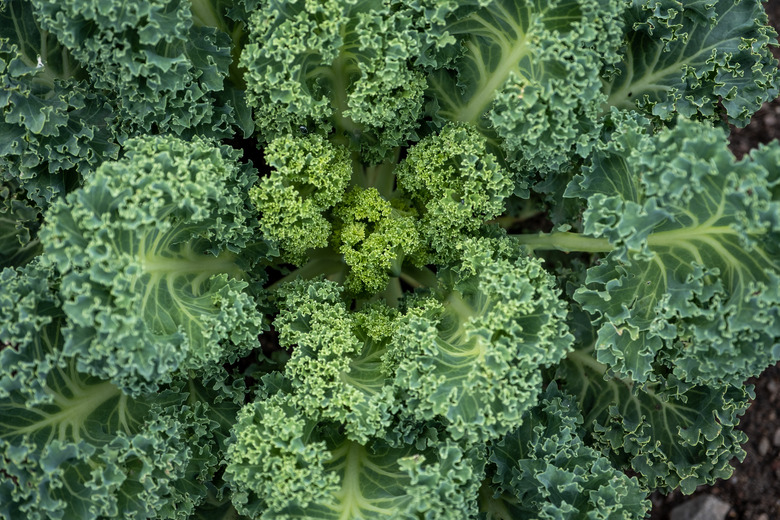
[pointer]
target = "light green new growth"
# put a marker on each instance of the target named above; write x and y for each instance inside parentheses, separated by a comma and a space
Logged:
(375, 239)
(309, 178)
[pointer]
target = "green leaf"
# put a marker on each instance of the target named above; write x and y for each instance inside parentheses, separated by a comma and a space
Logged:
(376, 237)
(528, 77)
(54, 128)
(682, 58)
(692, 282)
(309, 177)
(73, 446)
(165, 73)
(544, 469)
(456, 186)
(471, 355)
(337, 67)
(673, 434)
(148, 249)
(336, 367)
(19, 223)
(283, 466)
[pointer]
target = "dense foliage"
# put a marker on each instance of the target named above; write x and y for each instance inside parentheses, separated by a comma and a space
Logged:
(362, 259)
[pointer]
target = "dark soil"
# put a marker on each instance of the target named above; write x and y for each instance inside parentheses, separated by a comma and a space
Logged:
(753, 491)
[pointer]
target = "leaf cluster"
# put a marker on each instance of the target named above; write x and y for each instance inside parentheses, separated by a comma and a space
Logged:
(364, 259)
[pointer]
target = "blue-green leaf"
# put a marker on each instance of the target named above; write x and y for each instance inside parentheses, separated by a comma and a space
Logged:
(693, 277)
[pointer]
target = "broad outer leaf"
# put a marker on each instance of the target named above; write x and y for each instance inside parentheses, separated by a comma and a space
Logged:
(692, 284)
(685, 58)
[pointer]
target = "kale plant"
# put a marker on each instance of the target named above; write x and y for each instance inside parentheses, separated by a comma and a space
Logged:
(366, 259)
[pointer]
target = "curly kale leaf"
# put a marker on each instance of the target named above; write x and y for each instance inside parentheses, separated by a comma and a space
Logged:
(376, 237)
(283, 465)
(73, 446)
(528, 76)
(545, 470)
(337, 367)
(166, 62)
(342, 69)
(471, 355)
(20, 220)
(695, 59)
(54, 128)
(673, 434)
(692, 278)
(309, 177)
(150, 253)
(456, 186)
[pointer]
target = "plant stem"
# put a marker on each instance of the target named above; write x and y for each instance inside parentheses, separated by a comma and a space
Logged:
(418, 276)
(393, 293)
(585, 359)
(204, 15)
(565, 241)
(327, 264)
(382, 176)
